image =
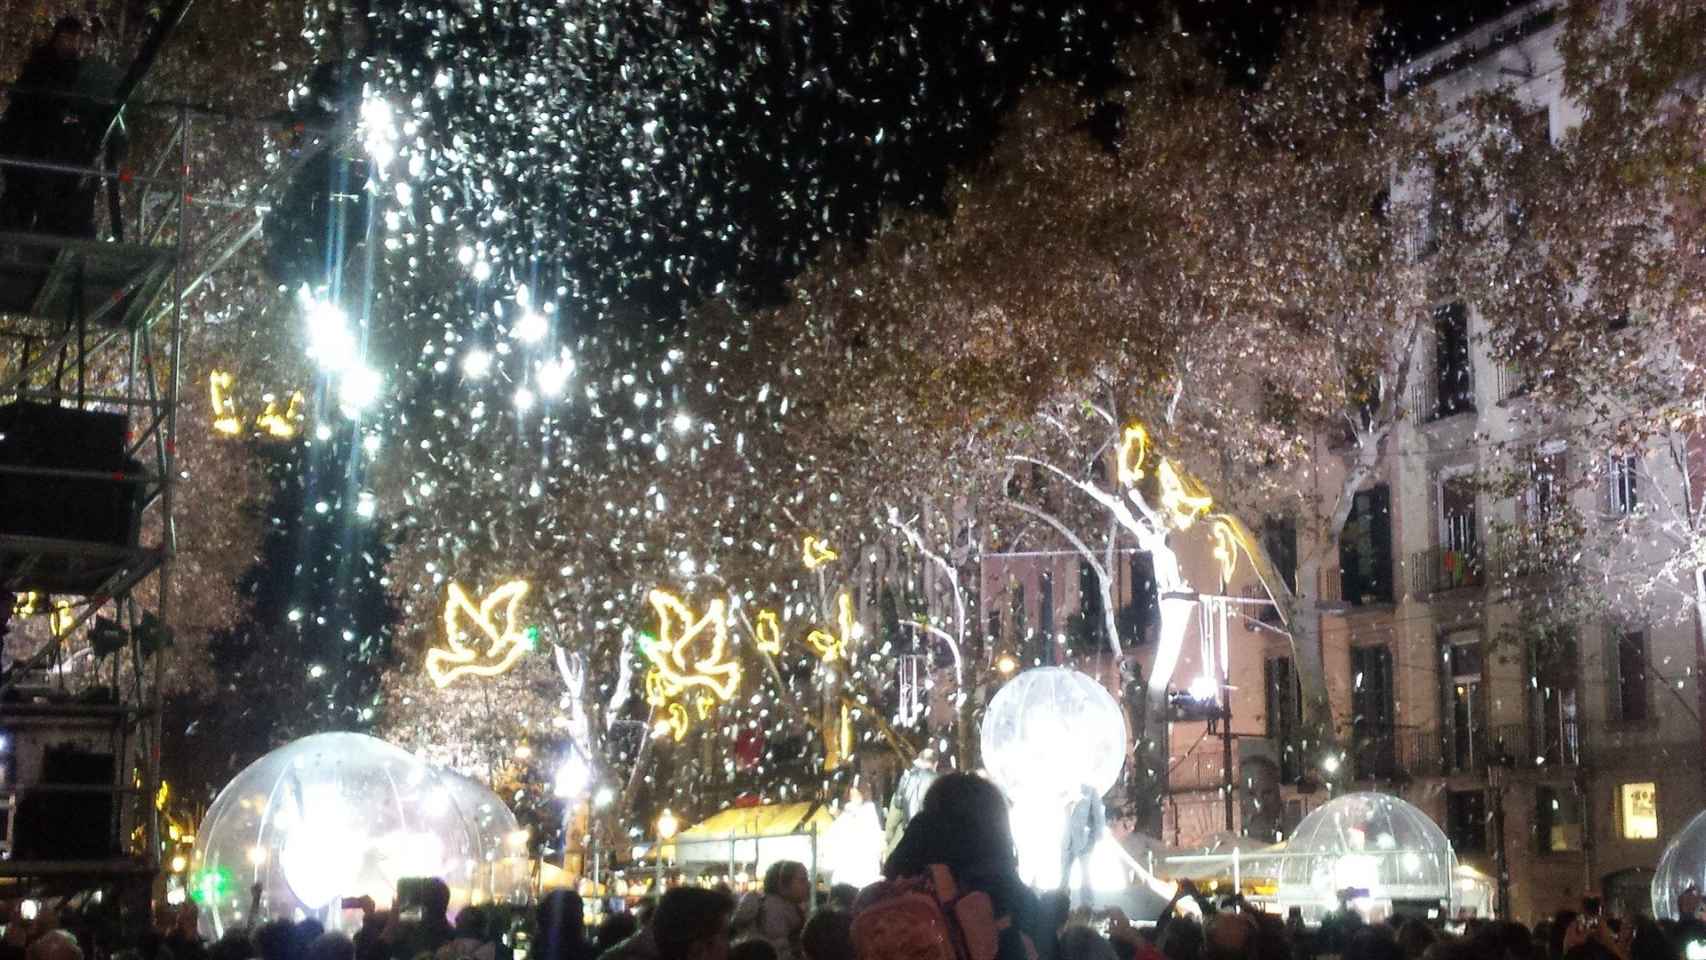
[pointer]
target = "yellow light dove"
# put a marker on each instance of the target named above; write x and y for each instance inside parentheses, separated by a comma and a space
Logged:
(767, 631)
(834, 646)
(1181, 497)
(1134, 447)
(226, 419)
(1226, 547)
(678, 663)
(281, 424)
(673, 723)
(503, 646)
(818, 553)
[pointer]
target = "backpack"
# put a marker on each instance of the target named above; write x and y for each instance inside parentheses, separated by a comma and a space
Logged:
(926, 918)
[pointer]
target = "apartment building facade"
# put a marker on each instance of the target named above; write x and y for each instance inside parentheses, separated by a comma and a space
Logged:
(1560, 759)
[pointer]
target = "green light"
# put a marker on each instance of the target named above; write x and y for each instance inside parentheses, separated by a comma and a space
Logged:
(210, 885)
(532, 638)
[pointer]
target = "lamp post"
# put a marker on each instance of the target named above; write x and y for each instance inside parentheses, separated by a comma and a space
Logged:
(667, 825)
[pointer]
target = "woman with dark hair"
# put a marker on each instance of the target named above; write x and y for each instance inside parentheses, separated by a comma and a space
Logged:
(779, 913)
(561, 919)
(964, 826)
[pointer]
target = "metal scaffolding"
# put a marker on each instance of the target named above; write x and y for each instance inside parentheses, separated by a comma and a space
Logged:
(92, 334)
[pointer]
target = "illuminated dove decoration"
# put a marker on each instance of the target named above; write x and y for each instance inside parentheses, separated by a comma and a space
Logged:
(818, 553)
(831, 646)
(688, 653)
(494, 648)
(768, 632)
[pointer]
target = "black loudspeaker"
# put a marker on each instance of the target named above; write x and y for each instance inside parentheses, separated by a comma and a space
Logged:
(54, 823)
(86, 509)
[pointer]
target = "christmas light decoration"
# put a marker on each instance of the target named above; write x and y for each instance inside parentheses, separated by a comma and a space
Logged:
(767, 632)
(818, 553)
(673, 724)
(226, 419)
(688, 653)
(1134, 447)
(1225, 547)
(281, 424)
(503, 647)
(834, 646)
(1183, 500)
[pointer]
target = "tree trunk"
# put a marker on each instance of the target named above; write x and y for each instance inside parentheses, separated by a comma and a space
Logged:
(1308, 658)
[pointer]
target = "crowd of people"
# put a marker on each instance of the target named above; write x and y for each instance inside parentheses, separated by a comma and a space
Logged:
(951, 891)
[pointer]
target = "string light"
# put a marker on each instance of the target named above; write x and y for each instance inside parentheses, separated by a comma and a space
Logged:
(689, 653)
(767, 631)
(279, 424)
(503, 646)
(1180, 497)
(1134, 447)
(834, 646)
(818, 553)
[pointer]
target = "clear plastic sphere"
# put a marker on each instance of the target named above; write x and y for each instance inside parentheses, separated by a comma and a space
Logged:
(341, 815)
(1382, 847)
(1682, 865)
(1053, 730)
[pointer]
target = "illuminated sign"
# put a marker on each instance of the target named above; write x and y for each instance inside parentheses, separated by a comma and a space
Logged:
(498, 647)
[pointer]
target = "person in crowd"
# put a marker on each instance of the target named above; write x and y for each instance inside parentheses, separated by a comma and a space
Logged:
(433, 930)
(693, 924)
(1375, 942)
(1081, 942)
(274, 940)
(828, 935)
(639, 945)
(908, 799)
(330, 946)
(963, 824)
(470, 941)
(1086, 821)
(561, 916)
(54, 945)
(617, 926)
(183, 937)
(1415, 937)
(752, 948)
(842, 897)
(51, 119)
(778, 914)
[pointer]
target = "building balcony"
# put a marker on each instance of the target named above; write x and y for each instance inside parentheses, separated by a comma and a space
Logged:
(1438, 570)
(1435, 397)
(1402, 753)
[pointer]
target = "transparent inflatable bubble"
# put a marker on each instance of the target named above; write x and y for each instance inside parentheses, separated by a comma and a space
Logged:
(1054, 730)
(1683, 865)
(1388, 851)
(345, 815)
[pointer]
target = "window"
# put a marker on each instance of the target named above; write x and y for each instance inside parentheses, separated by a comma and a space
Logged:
(1638, 811)
(1620, 475)
(1365, 549)
(1466, 821)
(1045, 613)
(1532, 131)
(1631, 680)
(1142, 609)
(1543, 500)
(1279, 539)
(1465, 732)
(1372, 735)
(1454, 381)
(1555, 709)
(1557, 820)
(1459, 560)
(1285, 715)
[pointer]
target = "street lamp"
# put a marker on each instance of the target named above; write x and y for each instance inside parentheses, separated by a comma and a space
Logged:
(666, 827)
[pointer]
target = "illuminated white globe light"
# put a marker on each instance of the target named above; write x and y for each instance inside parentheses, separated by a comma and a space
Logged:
(603, 798)
(1047, 734)
(379, 131)
(1371, 842)
(476, 364)
(524, 400)
(1682, 865)
(1055, 730)
(345, 815)
(682, 423)
(1204, 690)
